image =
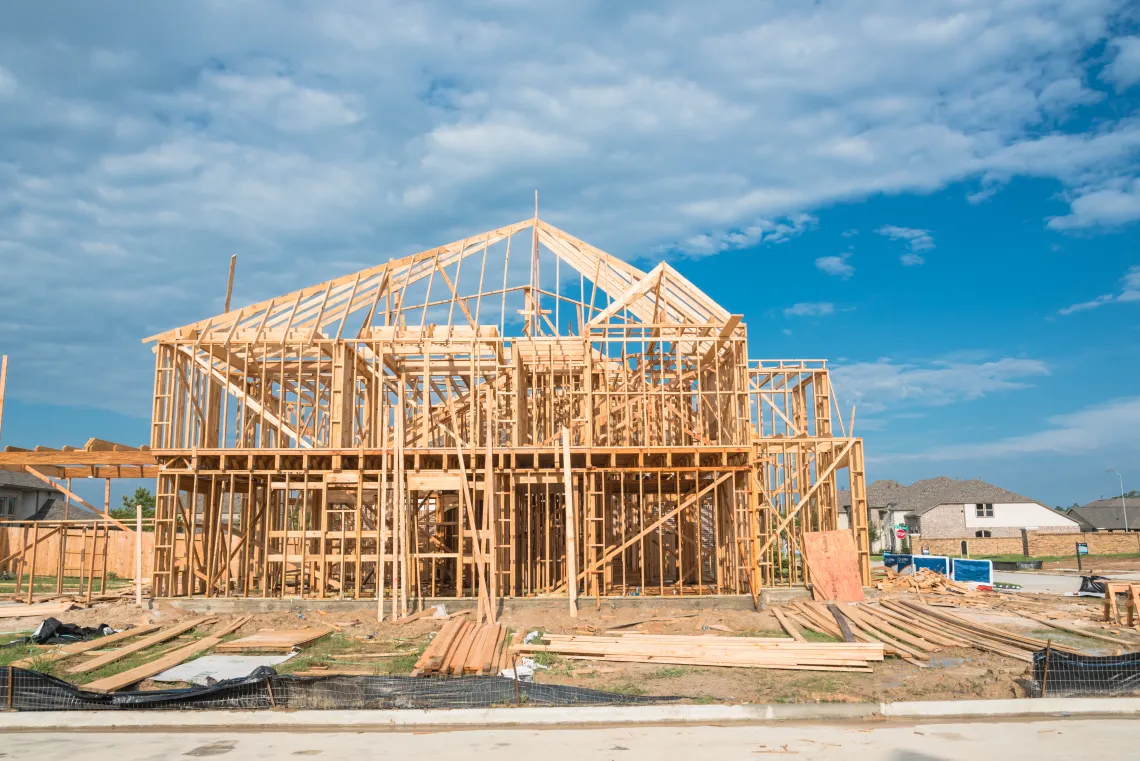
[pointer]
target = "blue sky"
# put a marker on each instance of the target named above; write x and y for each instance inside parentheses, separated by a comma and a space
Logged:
(943, 199)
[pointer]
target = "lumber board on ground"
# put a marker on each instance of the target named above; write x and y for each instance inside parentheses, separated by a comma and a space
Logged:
(38, 610)
(154, 639)
(169, 660)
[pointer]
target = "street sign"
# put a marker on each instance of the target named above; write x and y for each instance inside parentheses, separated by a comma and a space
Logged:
(900, 533)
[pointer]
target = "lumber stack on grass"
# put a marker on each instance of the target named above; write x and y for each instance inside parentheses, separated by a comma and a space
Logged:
(273, 640)
(166, 661)
(739, 652)
(924, 581)
(155, 639)
(463, 647)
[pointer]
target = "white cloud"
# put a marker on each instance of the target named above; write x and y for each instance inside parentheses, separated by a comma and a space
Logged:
(810, 309)
(917, 240)
(8, 83)
(1124, 70)
(764, 231)
(1098, 428)
(883, 385)
(1107, 206)
(1129, 291)
(836, 265)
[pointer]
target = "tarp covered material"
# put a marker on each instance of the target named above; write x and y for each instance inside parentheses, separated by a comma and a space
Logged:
(263, 689)
(939, 563)
(1058, 674)
(978, 571)
(212, 669)
(52, 631)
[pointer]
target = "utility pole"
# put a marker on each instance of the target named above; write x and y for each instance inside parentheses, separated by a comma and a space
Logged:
(1123, 502)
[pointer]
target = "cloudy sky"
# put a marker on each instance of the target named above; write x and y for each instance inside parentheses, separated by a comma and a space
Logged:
(941, 198)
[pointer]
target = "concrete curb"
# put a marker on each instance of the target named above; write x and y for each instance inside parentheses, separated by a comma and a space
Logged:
(482, 718)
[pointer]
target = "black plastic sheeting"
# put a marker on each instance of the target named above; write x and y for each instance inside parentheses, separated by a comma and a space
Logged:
(1086, 674)
(265, 689)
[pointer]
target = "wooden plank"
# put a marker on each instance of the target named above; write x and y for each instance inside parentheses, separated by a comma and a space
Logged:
(169, 660)
(833, 566)
(842, 622)
(792, 630)
(142, 644)
(36, 609)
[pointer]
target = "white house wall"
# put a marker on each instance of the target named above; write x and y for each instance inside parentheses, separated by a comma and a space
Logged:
(1027, 515)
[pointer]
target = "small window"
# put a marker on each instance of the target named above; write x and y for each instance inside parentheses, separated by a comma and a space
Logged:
(983, 534)
(984, 511)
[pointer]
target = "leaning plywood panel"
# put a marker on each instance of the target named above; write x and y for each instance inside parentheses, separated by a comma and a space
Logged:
(833, 566)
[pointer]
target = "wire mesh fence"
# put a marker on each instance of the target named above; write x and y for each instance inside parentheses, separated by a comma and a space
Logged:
(24, 690)
(1060, 674)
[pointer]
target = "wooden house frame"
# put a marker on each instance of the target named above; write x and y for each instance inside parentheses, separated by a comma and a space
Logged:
(488, 419)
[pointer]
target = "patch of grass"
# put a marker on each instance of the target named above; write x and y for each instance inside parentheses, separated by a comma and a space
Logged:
(71, 584)
(667, 673)
(45, 665)
(1057, 558)
(550, 660)
(811, 635)
(704, 700)
(626, 688)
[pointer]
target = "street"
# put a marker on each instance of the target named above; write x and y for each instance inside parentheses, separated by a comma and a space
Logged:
(1007, 740)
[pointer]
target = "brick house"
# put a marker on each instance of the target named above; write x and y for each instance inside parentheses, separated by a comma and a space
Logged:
(947, 508)
(1108, 514)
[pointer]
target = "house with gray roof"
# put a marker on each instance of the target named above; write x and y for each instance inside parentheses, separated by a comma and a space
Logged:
(949, 508)
(1108, 514)
(22, 495)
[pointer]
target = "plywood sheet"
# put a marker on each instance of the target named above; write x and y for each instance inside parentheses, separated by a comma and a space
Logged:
(833, 566)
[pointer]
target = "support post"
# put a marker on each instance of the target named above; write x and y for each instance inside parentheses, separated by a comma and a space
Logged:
(138, 554)
(571, 529)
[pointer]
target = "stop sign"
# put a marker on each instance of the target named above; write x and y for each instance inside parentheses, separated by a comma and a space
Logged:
(900, 533)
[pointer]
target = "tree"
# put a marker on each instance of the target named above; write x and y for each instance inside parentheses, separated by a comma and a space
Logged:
(872, 533)
(1134, 494)
(142, 496)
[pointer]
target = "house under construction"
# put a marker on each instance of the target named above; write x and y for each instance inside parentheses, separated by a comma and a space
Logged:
(514, 414)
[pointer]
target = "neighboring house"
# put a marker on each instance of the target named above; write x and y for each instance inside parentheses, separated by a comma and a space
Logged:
(946, 508)
(60, 510)
(1108, 514)
(21, 495)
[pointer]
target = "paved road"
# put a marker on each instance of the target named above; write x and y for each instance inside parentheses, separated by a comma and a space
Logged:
(965, 741)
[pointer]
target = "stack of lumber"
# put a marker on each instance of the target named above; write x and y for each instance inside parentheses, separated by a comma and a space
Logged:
(911, 630)
(924, 581)
(462, 647)
(273, 641)
(711, 650)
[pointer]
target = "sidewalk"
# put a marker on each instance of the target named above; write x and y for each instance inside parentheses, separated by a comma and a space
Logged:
(407, 720)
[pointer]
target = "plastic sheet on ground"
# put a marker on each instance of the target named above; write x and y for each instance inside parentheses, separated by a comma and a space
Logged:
(265, 689)
(211, 669)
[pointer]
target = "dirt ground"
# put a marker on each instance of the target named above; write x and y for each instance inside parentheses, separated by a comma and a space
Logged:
(951, 673)
(1093, 565)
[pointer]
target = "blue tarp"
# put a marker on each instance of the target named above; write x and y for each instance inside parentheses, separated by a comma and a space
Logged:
(980, 571)
(939, 563)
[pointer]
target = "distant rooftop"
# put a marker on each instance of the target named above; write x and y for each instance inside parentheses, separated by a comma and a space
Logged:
(922, 496)
(1108, 514)
(23, 481)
